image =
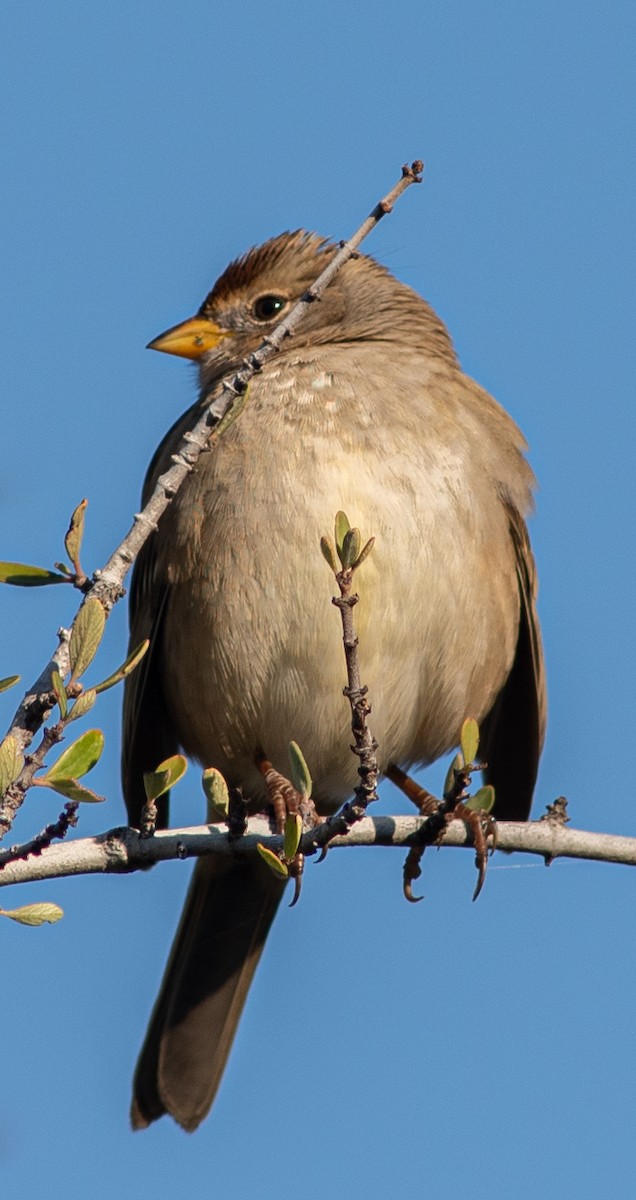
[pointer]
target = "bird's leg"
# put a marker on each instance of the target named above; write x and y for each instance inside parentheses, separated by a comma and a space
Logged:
(425, 802)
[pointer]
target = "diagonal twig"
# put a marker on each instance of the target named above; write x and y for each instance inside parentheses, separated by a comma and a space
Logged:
(107, 583)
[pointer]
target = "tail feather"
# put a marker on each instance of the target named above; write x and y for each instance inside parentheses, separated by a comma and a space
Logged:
(227, 914)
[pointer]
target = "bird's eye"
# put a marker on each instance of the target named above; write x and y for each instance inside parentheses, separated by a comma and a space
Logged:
(267, 307)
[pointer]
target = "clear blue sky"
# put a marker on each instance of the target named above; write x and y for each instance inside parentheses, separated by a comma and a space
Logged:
(441, 1050)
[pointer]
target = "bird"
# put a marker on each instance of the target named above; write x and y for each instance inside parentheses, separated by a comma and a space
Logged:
(365, 409)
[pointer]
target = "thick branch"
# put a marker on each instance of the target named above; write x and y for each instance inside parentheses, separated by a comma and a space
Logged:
(122, 850)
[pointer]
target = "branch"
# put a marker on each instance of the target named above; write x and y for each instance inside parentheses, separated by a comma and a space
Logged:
(121, 851)
(107, 584)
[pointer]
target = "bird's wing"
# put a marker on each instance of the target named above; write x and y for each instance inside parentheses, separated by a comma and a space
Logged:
(512, 734)
(148, 736)
(148, 733)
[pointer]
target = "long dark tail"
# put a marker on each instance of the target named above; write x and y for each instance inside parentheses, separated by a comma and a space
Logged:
(226, 917)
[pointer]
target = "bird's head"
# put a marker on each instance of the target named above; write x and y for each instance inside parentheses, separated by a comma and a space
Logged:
(363, 303)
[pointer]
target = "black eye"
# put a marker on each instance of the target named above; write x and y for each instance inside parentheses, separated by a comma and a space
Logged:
(267, 307)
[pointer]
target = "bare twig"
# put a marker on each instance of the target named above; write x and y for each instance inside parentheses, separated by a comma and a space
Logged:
(57, 830)
(123, 850)
(16, 792)
(365, 744)
(107, 585)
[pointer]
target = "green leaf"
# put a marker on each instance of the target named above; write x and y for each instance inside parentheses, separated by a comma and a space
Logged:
(217, 794)
(364, 553)
(72, 790)
(329, 554)
(82, 705)
(341, 527)
(60, 693)
(74, 535)
(273, 861)
(34, 914)
(456, 765)
(293, 834)
(8, 682)
(350, 547)
(126, 668)
(483, 800)
(300, 775)
(86, 634)
(469, 740)
(11, 762)
(164, 776)
(78, 759)
(21, 575)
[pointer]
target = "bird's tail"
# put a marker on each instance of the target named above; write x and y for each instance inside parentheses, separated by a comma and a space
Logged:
(226, 917)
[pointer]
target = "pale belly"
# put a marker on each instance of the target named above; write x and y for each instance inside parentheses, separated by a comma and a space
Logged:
(255, 645)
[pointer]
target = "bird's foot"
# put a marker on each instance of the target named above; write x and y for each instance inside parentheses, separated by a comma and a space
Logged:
(284, 798)
(440, 813)
(293, 813)
(483, 827)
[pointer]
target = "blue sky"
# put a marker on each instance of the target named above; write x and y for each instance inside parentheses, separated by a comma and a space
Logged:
(444, 1049)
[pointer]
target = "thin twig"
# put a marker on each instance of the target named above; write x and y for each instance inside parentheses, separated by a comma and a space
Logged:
(16, 791)
(123, 850)
(365, 744)
(107, 585)
(57, 830)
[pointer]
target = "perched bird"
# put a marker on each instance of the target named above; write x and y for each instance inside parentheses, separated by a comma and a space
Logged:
(366, 409)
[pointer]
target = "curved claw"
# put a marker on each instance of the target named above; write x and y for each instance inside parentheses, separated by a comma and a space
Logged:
(298, 883)
(296, 868)
(407, 889)
(323, 854)
(481, 877)
(412, 871)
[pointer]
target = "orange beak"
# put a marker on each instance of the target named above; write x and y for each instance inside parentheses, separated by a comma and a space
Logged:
(190, 339)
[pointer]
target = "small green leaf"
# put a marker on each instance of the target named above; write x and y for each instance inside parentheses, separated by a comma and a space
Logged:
(341, 527)
(8, 682)
(469, 740)
(217, 794)
(34, 914)
(86, 634)
(456, 765)
(60, 693)
(82, 705)
(293, 834)
(78, 759)
(483, 800)
(300, 775)
(272, 860)
(164, 776)
(21, 575)
(72, 790)
(350, 547)
(126, 668)
(74, 535)
(364, 553)
(329, 554)
(11, 762)
(60, 566)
